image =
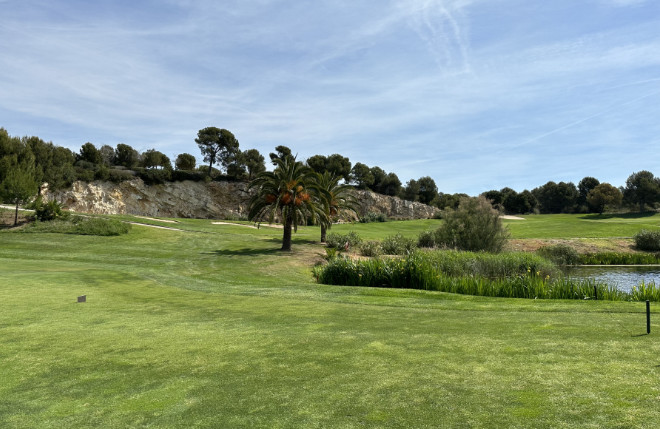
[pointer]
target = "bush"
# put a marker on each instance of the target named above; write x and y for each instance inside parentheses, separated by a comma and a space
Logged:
(100, 226)
(426, 239)
(81, 226)
(398, 245)
(343, 241)
(84, 175)
(181, 175)
(102, 173)
(51, 210)
(560, 254)
(117, 175)
(474, 226)
(331, 253)
(152, 176)
(371, 248)
(647, 240)
(373, 217)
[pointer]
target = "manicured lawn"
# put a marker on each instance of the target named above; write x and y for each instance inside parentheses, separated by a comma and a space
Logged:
(582, 226)
(213, 327)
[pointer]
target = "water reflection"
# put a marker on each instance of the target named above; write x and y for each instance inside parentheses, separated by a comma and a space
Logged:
(623, 278)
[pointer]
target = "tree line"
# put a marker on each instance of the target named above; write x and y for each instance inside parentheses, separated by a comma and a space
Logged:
(641, 192)
(35, 161)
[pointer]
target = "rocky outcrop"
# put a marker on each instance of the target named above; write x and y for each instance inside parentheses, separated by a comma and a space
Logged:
(392, 207)
(220, 200)
(213, 200)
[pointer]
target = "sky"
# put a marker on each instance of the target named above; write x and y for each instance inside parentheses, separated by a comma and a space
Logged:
(477, 94)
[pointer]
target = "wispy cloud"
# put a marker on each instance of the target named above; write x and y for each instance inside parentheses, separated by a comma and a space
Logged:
(419, 87)
(443, 27)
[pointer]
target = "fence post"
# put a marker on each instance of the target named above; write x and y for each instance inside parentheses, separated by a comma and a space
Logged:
(648, 317)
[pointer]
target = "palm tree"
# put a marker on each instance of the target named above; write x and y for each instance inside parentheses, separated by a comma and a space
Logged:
(287, 193)
(334, 197)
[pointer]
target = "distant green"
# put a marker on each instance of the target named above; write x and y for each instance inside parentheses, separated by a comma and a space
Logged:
(582, 225)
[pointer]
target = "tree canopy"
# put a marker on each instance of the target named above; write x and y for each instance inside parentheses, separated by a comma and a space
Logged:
(603, 195)
(19, 184)
(642, 189)
(185, 161)
(217, 145)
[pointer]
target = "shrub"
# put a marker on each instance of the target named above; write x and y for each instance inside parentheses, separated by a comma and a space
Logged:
(181, 175)
(398, 245)
(48, 211)
(117, 175)
(426, 239)
(342, 241)
(647, 240)
(152, 176)
(102, 173)
(371, 248)
(331, 253)
(84, 175)
(100, 226)
(373, 217)
(81, 225)
(560, 254)
(474, 226)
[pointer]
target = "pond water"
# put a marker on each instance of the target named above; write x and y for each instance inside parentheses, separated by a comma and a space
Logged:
(623, 277)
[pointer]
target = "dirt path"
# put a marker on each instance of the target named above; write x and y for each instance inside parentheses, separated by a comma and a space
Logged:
(157, 220)
(155, 226)
(14, 208)
(247, 226)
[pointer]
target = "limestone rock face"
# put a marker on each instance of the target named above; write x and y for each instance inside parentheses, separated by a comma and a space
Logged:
(213, 200)
(392, 207)
(186, 199)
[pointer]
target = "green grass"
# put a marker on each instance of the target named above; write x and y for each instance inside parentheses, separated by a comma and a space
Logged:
(214, 327)
(582, 226)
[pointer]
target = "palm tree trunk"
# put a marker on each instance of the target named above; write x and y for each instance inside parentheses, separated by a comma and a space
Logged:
(323, 233)
(286, 238)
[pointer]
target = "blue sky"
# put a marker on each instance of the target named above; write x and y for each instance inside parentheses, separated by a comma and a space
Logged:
(478, 94)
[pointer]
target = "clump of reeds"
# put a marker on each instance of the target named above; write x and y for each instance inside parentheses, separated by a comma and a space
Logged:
(511, 275)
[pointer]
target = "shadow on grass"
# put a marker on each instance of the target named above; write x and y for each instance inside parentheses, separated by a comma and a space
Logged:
(270, 251)
(294, 241)
(618, 216)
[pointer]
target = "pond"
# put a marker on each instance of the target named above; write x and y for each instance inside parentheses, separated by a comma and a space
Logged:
(623, 277)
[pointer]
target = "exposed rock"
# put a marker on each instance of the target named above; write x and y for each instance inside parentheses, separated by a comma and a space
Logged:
(392, 207)
(188, 199)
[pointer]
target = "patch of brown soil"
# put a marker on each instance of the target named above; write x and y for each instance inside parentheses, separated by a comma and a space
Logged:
(582, 245)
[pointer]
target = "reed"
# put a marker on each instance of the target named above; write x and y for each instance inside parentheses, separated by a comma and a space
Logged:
(510, 275)
(645, 292)
(617, 258)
